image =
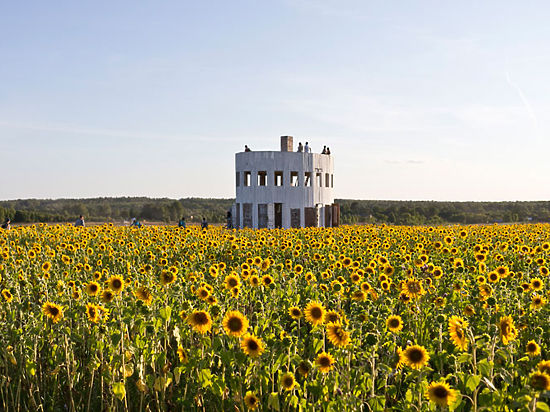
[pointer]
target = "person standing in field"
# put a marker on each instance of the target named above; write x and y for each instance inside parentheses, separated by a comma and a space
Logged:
(7, 224)
(204, 224)
(181, 223)
(80, 221)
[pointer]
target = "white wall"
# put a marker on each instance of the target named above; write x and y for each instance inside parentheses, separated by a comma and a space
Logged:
(290, 197)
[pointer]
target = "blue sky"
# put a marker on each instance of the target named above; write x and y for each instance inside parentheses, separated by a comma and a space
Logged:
(428, 100)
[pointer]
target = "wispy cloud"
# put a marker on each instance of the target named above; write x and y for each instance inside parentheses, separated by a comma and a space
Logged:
(525, 102)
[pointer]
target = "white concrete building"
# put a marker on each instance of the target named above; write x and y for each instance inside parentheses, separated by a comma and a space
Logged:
(284, 189)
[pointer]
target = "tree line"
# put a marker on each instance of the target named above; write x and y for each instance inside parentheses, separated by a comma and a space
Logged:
(214, 210)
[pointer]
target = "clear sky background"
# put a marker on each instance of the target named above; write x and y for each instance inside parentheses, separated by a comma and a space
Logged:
(436, 100)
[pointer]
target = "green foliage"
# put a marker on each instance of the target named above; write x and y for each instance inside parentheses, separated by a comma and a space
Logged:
(194, 209)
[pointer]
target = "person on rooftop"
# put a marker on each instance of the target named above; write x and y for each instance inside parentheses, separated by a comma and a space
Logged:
(247, 149)
(300, 147)
(307, 149)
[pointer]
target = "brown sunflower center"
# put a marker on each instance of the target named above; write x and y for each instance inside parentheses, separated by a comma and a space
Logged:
(252, 345)
(53, 311)
(531, 347)
(324, 361)
(200, 318)
(440, 392)
(415, 355)
(235, 324)
(316, 312)
(394, 323)
(116, 284)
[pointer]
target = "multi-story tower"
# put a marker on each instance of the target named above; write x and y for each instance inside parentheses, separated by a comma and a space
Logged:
(284, 189)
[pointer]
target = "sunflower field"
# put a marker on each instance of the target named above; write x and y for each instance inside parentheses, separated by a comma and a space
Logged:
(371, 318)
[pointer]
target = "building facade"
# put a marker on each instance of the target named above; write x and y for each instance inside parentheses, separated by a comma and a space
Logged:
(284, 189)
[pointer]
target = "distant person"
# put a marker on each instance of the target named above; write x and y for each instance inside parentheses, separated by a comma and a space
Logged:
(80, 221)
(328, 151)
(7, 224)
(135, 223)
(307, 149)
(247, 149)
(204, 223)
(300, 147)
(229, 220)
(324, 150)
(181, 223)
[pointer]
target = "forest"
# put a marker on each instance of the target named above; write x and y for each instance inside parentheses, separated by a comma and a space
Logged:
(122, 209)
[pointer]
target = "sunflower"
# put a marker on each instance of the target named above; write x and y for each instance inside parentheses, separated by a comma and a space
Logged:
(507, 329)
(203, 293)
(295, 312)
(414, 356)
(252, 346)
(457, 328)
(537, 302)
(235, 323)
(315, 312)
(53, 311)
(7, 295)
(46, 266)
(182, 355)
(107, 296)
(232, 281)
(92, 312)
(143, 294)
(93, 289)
(288, 381)
(532, 348)
(267, 280)
(544, 366)
(394, 323)
(254, 280)
(493, 277)
(251, 401)
(540, 381)
(200, 320)
(469, 311)
(167, 277)
(304, 368)
(412, 288)
(536, 284)
(116, 283)
(337, 335)
(441, 394)
(325, 362)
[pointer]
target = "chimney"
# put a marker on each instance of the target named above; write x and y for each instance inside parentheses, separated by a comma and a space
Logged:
(287, 144)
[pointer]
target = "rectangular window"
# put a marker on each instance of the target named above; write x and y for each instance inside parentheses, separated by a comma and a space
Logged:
(246, 178)
(278, 178)
(293, 179)
(262, 178)
(331, 180)
(307, 181)
(237, 179)
(327, 180)
(319, 180)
